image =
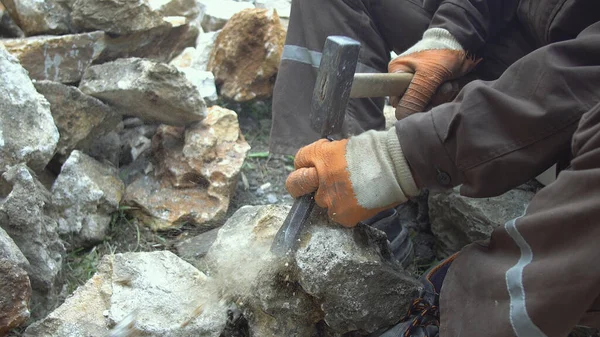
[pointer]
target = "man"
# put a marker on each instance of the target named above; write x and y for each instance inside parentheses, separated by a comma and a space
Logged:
(538, 274)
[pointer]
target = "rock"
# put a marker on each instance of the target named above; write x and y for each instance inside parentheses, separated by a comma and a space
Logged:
(154, 92)
(288, 297)
(57, 58)
(216, 13)
(23, 216)
(159, 44)
(203, 80)
(116, 17)
(255, 32)
(80, 118)
(135, 141)
(196, 172)
(188, 8)
(39, 17)
(106, 149)
(157, 292)
(204, 46)
(283, 7)
(15, 295)
(83, 197)
(27, 131)
(11, 252)
(457, 221)
(8, 27)
(194, 249)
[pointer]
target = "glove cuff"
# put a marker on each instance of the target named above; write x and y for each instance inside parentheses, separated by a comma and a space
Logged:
(435, 38)
(403, 174)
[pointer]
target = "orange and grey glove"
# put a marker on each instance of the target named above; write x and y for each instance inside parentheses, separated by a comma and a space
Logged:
(434, 60)
(354, 178)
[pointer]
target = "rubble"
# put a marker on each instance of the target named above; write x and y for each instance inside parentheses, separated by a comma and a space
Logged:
(188, 8)
(246, 55)
(57, 58)
(84, 195)
(204, 46)
(196, 172)
(154, 92)
(457, 221)
(39, 17)
(216, 13)
(23, 216)
(26, 125)
(157, 293)
(10, 251)
(14, 297)
(8, 27)
(203, 80)
(79, 118)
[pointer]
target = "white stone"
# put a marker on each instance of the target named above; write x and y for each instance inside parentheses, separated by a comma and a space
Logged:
(216, 13)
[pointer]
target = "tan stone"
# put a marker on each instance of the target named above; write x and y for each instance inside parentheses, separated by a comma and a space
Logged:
(39, 17)
(57, 58)
(196, 172)
(246, 55)
(15, 295)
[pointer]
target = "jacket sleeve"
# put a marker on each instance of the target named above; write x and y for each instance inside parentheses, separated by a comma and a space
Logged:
(497, 135)
(473, 22)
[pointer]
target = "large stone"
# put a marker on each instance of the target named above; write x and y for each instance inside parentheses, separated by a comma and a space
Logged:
(157, 293)
(246, 55)
(80, 118)
(216, 13)
(457, 221)
(116, 17)
(283, 7)
(57, 58)
(204, 46)
(196, 172)
(27, 131)
(159, 44)
(11, 252)
(39, 17)
(289, 296)
(84, 195)
(8, 27)
(188, 8)
(23, 216)
(203, 80)
(155, 92)
(14, 297)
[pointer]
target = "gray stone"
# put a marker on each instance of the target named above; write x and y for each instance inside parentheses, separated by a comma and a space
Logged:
(216, 13)
(194, 249)
(117, 17)
(14, 297)
(27, 131)
(80, 118)
(188, 8)
(457, 221)
(135, 141)
(283, 7)
(204, 46)
(159, 44)
(84, 195)
(106, 149)
(8, 27)
(157, 292)
(152, 91)
(39, 17)
(23, 216)
(57, 58)
(204, 82)
(11, 252)
(288, 296)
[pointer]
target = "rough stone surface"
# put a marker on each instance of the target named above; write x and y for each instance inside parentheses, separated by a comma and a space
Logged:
(196, 172)
(118, 17)
(203, 80)
(188, 8)
(14, 297)
(23, 216)
(160, 44)
(204, 46)
(193, 250)
(27, 131)
(10, 251)
(84, 195)
(79, 118)
(8, 27)
(57, 58)
(288, 297)
(283, 7)
(246, 55)
(157, 292)
(39, 17)
(135, 142)
(154, 92)
(106, 149)
(457, 221)
(216, 13)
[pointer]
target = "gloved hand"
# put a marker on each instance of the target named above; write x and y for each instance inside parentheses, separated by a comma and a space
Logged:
(434, 60)
(354, 178)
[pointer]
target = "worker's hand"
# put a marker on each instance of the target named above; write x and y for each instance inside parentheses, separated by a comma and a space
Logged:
(435, 60)
(354, 178)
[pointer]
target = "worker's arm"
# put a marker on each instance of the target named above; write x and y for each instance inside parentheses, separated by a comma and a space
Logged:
(497, 135)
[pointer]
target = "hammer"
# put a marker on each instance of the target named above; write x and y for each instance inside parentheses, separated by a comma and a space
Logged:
(336, 83)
